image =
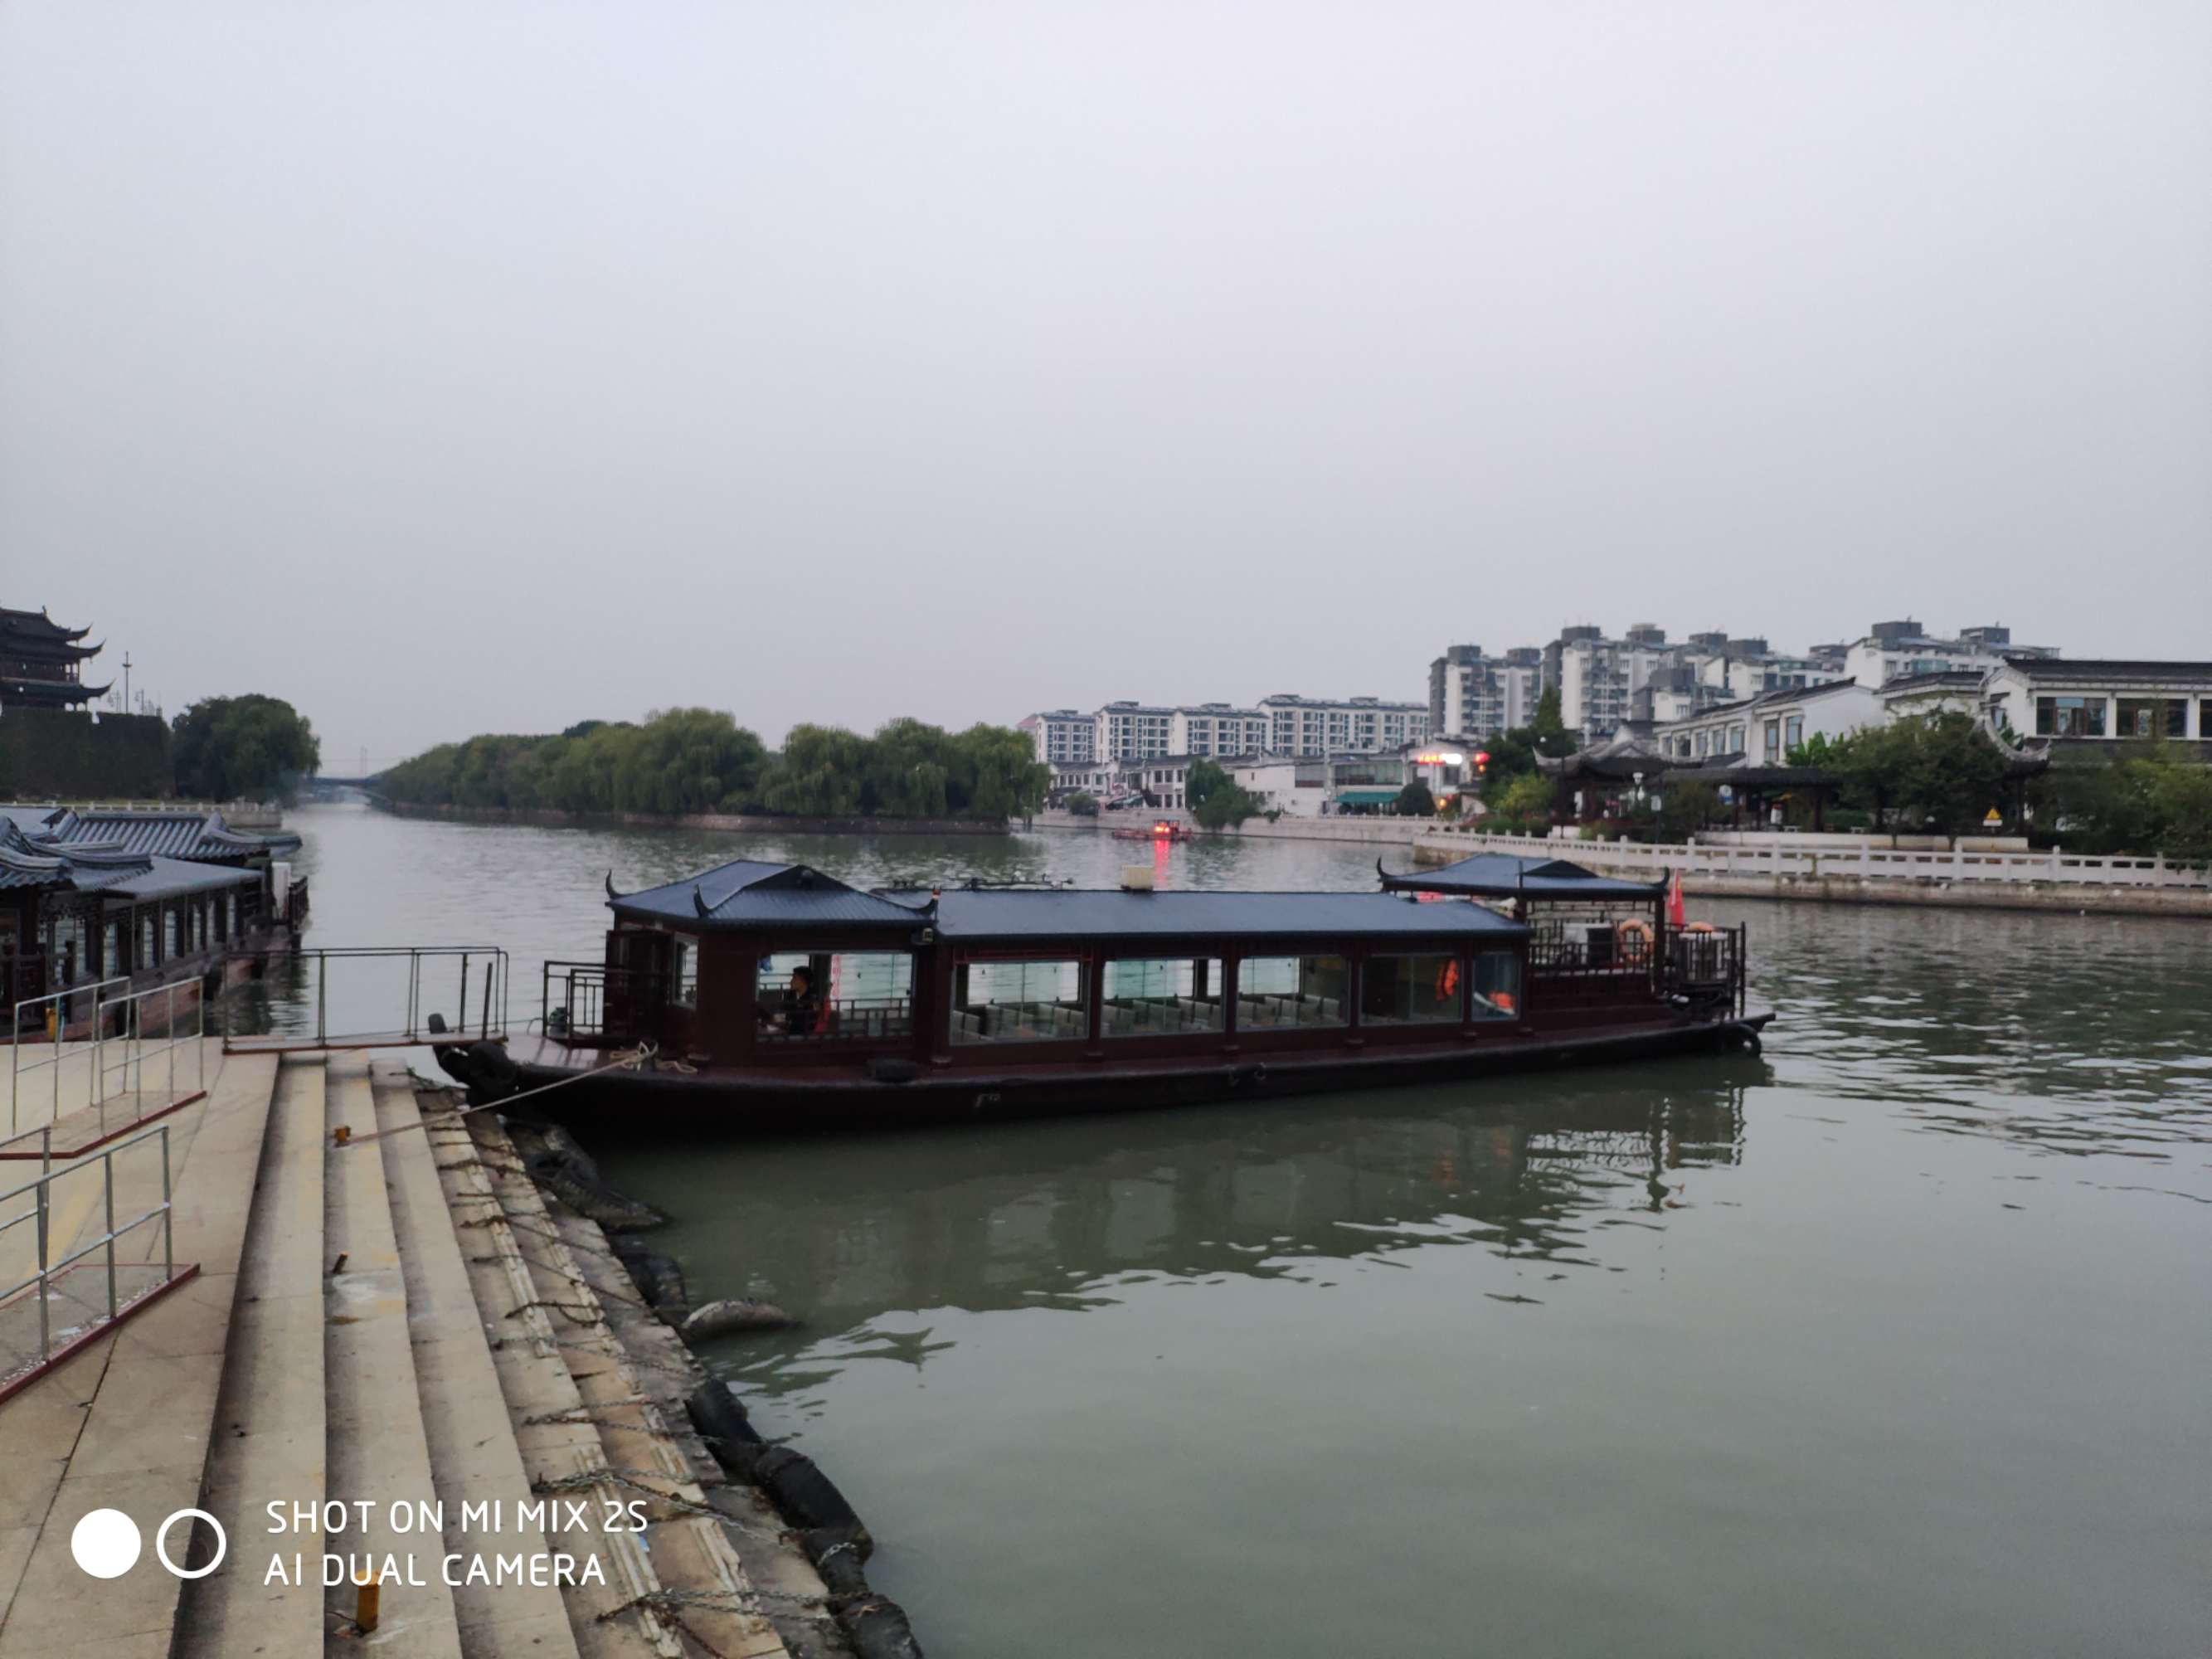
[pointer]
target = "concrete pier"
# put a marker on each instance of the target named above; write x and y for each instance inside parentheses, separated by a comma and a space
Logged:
(398, 1320)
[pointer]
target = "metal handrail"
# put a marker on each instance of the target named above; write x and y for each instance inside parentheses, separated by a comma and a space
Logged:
(15, 1067)
(492, 994)
(41, 1211)
(132, 1041)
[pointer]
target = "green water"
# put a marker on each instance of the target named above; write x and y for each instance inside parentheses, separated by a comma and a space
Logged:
(1896, 1341)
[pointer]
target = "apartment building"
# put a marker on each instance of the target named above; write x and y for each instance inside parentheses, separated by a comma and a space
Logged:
(1062, 737)
(1892, 650)
(1597, 677)
(1216, 728)
(1313, 726)
(1472, 695)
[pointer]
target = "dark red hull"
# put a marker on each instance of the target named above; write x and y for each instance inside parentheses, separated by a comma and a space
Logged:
(721, 1101)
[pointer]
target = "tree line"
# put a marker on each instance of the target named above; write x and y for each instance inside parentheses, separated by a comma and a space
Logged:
(701, 760)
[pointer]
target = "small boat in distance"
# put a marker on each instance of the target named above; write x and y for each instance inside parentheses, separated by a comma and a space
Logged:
(773, 996)
(1164, 829)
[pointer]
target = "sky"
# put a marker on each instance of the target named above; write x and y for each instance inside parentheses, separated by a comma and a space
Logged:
(461, 367)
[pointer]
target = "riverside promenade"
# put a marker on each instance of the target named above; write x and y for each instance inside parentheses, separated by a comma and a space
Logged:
(376, 1319)
(1855, 869)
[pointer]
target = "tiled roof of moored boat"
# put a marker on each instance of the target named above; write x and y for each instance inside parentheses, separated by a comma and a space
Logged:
(1506, 875)
(184, 833)
(978, 914)
(747, 893)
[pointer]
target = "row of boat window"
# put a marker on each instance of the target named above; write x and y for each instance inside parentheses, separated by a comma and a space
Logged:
(869, 995)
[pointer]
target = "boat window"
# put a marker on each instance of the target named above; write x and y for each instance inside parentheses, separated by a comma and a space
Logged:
(1019, 1002)
(1162, 997)
(835, 996)
(1410, 990)
(1496, 980)
(685, 979)
(1289, 992)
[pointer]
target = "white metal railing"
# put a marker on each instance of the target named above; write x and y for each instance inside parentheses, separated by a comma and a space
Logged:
(50, 1013)
(1889, 864)
(480, 971)
(43, 1282)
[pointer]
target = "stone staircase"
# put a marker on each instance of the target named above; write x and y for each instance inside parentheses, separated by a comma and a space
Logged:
(401, 1321)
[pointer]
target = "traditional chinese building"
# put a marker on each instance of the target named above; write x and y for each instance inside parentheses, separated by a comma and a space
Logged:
(42, 663)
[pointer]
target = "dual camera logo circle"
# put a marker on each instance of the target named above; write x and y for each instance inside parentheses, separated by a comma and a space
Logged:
(107, 1543)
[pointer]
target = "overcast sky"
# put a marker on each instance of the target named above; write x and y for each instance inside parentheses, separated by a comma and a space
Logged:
(463, 366)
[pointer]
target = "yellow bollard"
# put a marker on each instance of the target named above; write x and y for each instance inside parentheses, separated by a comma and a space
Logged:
(343, 1133)
(366, 1592)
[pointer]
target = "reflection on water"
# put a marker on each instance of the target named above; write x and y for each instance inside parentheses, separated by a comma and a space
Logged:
(1891, 1342)
(1077, 1214)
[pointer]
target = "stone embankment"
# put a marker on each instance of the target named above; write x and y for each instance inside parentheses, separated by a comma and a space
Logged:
(390, 1315)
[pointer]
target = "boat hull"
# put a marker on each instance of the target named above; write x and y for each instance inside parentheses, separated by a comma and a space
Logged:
(711, 1101)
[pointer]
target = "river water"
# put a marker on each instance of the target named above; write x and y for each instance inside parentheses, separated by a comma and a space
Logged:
(1895, 1340)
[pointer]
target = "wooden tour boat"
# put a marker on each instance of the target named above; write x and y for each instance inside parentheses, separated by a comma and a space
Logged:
(772, 995)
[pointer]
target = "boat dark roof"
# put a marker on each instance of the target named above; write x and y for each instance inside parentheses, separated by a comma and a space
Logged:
(1509, 875)
(747, 894)
(1016, 915)
(157, 877)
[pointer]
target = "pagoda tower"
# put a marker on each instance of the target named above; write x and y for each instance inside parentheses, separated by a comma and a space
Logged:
(42, 663)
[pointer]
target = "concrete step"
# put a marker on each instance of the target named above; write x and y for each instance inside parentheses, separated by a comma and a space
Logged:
(127, 1422)
(559, 1447)
(692, 1555)
(379, 1448)
(271, 1426)
(473, 1455)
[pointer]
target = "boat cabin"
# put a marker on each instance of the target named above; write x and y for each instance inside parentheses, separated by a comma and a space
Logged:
(756, 965)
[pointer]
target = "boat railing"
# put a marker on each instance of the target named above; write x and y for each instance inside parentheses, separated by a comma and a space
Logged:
(587, 1004)
(1704, 965)
(855, 1019)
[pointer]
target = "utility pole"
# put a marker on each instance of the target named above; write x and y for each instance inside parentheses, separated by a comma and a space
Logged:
(126, 681)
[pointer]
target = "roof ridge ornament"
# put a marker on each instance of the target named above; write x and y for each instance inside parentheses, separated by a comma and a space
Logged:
(699, 902)
(611, 895)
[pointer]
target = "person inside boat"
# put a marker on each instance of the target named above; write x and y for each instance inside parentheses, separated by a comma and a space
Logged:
(802, 1010)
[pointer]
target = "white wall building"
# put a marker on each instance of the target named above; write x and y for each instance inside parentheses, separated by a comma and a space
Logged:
(1296, 789)
(2100, 698)
(1766, 728)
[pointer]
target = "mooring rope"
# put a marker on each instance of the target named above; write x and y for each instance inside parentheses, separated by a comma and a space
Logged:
(629, 1059)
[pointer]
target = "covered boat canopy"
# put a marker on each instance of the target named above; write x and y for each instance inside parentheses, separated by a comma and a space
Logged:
(747, 895)
(1031, 916)
(1507, 875)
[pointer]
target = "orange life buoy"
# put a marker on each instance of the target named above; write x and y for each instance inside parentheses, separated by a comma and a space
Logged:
(1701, 927)
(1638, 931)
(1448, 979)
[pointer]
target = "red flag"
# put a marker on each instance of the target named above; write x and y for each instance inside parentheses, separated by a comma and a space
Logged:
(1675, 901)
